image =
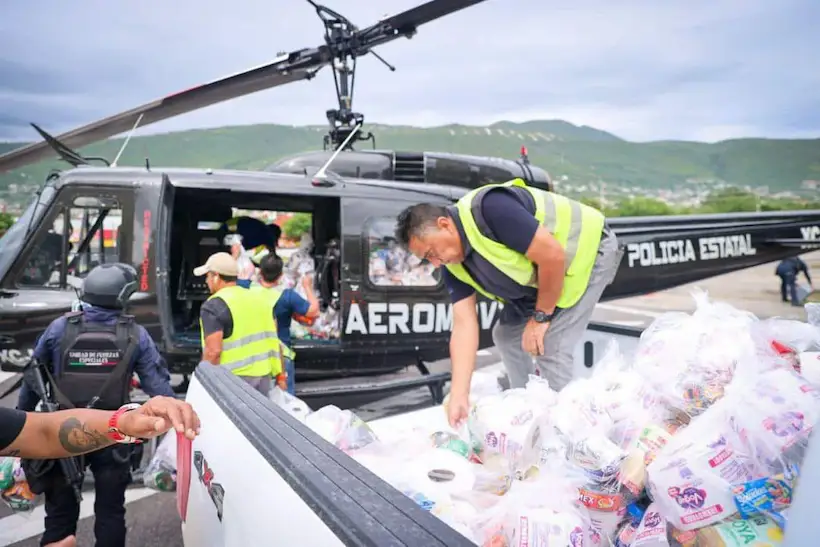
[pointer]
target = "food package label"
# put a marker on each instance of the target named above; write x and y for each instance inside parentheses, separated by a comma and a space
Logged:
(758, 531)
(691, 485)
(652, 530)
(769, 496)
(543, 527)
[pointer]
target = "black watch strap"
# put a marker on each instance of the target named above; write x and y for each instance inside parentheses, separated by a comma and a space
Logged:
(542, 316)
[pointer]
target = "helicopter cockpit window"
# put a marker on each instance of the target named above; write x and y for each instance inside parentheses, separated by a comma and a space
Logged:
(391, 265)
(89, 232)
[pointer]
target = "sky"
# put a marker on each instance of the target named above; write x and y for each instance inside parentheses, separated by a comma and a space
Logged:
(644, 70)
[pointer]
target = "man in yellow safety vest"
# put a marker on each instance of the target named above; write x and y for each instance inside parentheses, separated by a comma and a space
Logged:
(238, 329)
(545, 257)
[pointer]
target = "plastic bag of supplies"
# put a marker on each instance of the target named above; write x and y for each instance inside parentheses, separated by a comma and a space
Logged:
(14, 489)
(161, 472)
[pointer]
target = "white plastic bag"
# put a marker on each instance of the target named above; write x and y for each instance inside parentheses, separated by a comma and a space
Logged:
(340, 427)
(14, 489)
(293, 405)
(161, 472)
(541, 511)
(691, 478)
(509, 423)
(689, 359)
(773, 415)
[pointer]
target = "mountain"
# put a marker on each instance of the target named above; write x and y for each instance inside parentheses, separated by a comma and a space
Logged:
(581, 154)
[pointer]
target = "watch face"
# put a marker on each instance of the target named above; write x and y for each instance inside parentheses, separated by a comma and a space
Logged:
(540, 317)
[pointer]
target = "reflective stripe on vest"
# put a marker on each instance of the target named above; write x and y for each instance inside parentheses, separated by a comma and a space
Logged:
(274, 295)
(252, 349)
(577, 227)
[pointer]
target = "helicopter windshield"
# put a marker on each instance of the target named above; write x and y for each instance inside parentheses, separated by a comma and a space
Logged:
(12, 241)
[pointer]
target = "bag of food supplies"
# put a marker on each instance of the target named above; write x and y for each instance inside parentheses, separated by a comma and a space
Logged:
(341, 428)
(293, 405)
(14, 489)
(161, 472)
(527, 516)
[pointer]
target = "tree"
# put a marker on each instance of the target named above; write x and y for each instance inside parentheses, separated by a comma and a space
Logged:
(297, 225)
(730, 200)
(6, 222)
(640, 207)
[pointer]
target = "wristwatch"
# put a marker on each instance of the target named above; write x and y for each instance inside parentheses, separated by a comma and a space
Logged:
(114, 432)
(542, 316)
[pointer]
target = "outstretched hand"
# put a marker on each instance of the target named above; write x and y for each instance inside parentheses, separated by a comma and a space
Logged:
(157, 416)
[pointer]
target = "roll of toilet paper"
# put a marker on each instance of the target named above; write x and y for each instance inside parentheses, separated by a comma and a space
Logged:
(439, 471)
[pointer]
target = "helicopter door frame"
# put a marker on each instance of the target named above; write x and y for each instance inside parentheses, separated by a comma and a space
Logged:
(65, 200)
(31, 308)
(165, 209)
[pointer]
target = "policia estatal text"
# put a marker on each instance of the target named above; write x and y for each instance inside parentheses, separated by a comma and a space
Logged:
(90, 357)
(546, 257)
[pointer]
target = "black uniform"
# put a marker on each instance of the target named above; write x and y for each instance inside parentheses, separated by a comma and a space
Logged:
(91, 356)
(788, 270)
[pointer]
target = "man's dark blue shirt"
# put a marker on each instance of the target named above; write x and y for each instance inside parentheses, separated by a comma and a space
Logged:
(148, 363)
(514, 226)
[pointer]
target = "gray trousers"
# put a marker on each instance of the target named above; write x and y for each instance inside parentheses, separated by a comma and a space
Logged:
(565, 331)
(262, 384)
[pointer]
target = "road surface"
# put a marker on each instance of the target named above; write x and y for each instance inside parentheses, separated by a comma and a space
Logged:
(152, 516)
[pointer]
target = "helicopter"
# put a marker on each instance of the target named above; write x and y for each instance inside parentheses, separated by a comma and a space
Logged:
(169, 220)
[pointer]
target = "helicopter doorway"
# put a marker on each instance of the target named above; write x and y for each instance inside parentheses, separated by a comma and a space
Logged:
(305, 234)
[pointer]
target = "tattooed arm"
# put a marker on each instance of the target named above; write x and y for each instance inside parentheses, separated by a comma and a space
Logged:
(60, 434)
(77, 431)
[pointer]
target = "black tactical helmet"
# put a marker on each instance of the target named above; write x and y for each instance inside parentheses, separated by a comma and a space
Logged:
(109, 285)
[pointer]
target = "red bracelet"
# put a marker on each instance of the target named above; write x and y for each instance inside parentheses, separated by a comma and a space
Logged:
(114, 432)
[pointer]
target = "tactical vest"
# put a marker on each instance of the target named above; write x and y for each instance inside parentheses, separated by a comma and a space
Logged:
(253, 347)
(577, 227)
(96, 361)
(274, 295)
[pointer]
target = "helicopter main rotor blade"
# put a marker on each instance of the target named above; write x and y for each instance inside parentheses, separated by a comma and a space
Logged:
(406, 22)
(291, 67)
(300, 65)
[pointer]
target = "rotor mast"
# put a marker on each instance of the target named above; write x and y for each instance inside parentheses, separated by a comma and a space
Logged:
(341, 40)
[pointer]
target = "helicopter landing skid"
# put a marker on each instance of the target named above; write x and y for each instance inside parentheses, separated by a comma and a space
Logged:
(376, 387)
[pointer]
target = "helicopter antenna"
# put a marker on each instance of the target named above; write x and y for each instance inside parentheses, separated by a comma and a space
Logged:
(128, 138)
(340, 40)
(322, 172)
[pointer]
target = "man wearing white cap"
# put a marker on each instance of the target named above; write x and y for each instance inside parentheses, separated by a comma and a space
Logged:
(238, 329)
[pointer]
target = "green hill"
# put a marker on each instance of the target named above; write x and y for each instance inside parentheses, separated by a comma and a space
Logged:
(581, 154)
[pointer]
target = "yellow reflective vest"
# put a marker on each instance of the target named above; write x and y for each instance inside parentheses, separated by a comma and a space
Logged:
(273, 295)
(252, 349)
(577, 227)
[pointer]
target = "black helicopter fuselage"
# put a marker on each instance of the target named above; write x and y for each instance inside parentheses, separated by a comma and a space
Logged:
(384, 327)
(166, 227)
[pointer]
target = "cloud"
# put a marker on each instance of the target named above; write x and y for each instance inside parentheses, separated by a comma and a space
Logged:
(641, 69)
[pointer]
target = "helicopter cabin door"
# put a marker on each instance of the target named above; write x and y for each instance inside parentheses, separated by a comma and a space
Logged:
(82, 227)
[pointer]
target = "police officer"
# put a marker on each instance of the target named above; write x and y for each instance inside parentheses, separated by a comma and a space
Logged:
(238, 328)
(787, 271)
(546, 257)
(91, 356)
